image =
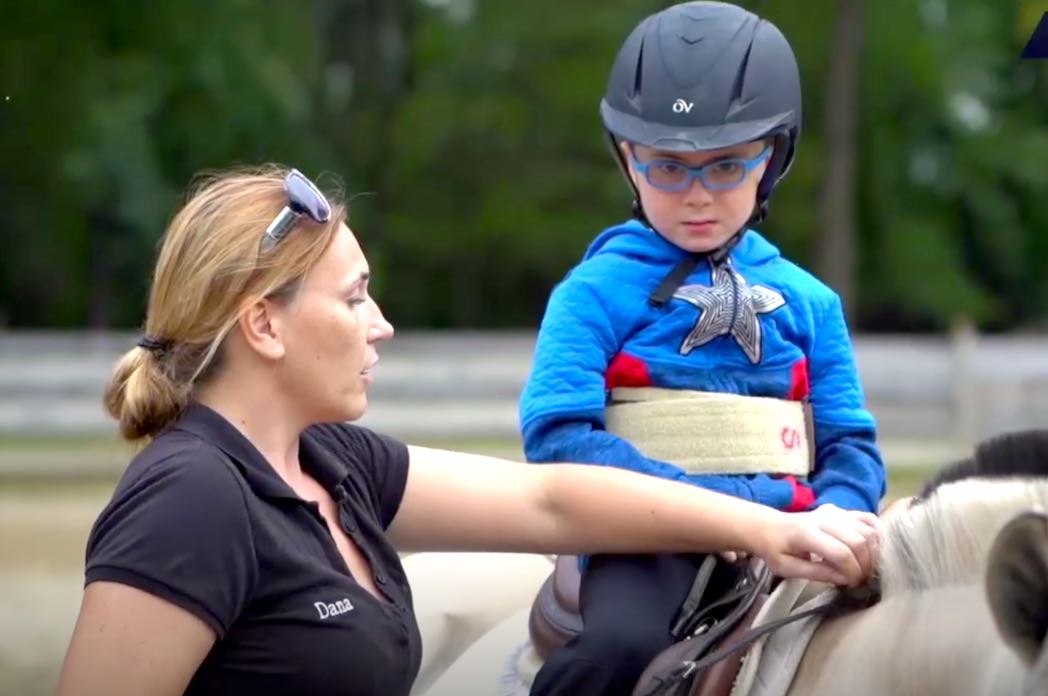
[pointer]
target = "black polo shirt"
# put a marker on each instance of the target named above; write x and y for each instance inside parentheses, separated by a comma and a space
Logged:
(201, 520)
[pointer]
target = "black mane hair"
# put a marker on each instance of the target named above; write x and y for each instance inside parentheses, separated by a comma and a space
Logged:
(1018, 454)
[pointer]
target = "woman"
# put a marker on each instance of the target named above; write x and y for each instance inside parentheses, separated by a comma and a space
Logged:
(251, 547)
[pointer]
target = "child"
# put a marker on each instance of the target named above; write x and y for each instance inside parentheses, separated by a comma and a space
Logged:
(702, 109)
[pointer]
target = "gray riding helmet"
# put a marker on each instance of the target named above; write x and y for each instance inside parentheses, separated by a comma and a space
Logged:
(702, 76)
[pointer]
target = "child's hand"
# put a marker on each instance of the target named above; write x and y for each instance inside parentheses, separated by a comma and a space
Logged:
(828, 545)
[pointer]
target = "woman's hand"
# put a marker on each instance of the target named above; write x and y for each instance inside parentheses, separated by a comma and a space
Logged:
(828, 545)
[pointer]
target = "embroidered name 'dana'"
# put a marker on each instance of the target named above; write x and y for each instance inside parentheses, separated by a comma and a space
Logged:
(325, 609)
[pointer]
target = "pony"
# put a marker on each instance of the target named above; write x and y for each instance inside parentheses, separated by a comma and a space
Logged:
(958, 603)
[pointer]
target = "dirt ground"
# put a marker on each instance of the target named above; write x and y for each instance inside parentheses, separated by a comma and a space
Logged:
(42, 535)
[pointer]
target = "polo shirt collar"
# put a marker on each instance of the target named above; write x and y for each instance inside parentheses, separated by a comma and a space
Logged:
(212, 427)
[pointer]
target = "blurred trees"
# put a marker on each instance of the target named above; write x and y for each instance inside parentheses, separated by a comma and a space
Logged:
(467, 133)
(836, 259)
(113, 106)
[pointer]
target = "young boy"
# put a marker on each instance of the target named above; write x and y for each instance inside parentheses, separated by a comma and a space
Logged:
(702, 109)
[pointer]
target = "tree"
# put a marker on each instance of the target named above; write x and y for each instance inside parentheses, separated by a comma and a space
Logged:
(468, 138)
(113, 108)
(837, 257)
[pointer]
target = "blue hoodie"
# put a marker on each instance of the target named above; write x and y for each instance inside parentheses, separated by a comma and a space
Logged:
(758, 326)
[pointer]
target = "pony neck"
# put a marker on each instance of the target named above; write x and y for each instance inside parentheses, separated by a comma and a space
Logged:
(937, 641)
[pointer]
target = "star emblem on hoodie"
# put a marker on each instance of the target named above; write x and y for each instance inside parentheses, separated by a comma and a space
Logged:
(729, 307)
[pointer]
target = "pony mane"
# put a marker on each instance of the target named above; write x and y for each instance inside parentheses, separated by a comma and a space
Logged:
(945, 539)
(945, 535)
(1023, 454)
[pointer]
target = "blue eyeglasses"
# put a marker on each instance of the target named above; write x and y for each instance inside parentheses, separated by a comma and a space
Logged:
(675, 176)
(303, 198)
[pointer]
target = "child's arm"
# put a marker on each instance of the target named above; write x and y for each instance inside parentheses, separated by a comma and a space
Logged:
(849, 472)
(562, 405)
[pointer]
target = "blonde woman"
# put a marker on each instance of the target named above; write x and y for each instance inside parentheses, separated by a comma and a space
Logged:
(252, 545)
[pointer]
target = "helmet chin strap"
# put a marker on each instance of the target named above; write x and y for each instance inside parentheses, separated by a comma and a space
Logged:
(616, 151)
(760, 212)
(685, 266)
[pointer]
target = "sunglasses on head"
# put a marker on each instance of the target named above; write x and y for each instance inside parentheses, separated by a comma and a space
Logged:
(303, 198)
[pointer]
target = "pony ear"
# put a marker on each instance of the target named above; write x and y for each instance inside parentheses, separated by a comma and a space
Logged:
(1017, 583)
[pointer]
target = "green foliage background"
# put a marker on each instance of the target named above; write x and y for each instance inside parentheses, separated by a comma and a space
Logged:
(467, 134)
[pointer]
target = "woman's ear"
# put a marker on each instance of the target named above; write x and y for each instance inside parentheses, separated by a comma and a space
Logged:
(260, 325)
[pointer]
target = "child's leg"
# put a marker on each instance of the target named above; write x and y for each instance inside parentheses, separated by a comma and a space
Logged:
(628, 604)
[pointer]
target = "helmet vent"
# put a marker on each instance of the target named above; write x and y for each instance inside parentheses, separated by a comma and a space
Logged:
(740, 77)
(639, 71)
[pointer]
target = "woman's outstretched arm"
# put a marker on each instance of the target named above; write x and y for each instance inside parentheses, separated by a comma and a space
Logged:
(456, 501)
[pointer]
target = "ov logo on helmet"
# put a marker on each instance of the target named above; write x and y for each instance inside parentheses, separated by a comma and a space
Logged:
(682, 107)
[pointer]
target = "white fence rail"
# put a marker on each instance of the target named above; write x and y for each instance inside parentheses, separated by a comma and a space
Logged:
(465, 385)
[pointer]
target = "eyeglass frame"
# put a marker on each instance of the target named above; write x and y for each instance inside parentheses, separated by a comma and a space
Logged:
(304, 198)
(700, 172)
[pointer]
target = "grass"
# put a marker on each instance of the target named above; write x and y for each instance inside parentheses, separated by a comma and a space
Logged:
(51, 494)
(45, 513)
(38, 443)
(103, 459)
(95, 443)
(904, 482)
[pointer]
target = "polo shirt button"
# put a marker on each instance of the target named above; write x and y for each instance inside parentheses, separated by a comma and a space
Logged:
(380, 579)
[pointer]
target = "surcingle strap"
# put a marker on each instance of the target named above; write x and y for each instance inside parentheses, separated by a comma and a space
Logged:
(714, 433)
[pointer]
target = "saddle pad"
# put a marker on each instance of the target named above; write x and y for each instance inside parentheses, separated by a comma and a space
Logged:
(520, 671)
(770, 664)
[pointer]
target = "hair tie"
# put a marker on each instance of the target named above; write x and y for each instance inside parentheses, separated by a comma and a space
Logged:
(154, 344)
